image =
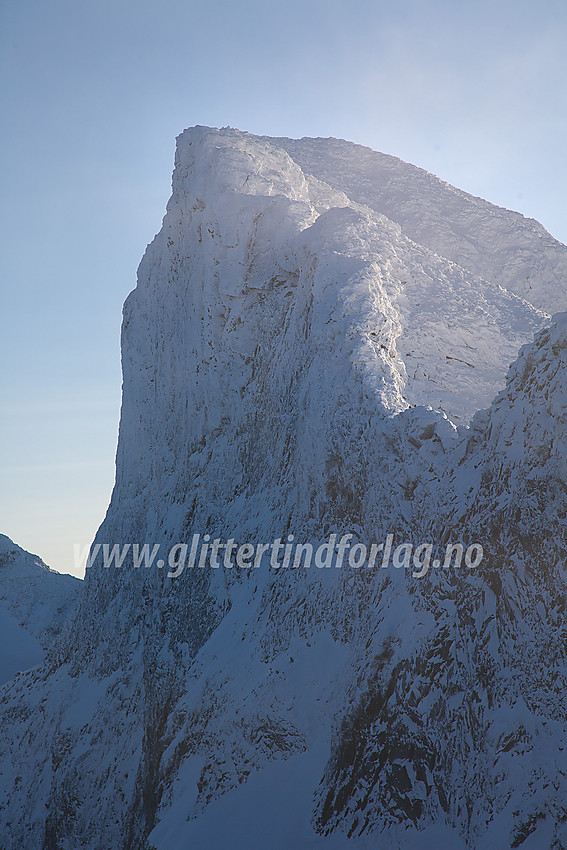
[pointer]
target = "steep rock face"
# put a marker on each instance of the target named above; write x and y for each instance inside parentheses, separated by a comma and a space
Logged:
(294, 363)
(468, 728)
(34, 605)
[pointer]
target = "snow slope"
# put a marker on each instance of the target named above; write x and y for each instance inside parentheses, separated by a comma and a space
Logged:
(489, 241)
(34, 605)
(296, 361)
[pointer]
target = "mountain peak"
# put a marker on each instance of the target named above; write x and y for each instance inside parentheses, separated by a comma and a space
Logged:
(312, 330)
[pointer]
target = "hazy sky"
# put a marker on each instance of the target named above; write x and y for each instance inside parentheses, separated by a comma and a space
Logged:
(92, 97)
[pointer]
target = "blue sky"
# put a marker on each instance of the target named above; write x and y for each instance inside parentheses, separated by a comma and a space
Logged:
(92, 97)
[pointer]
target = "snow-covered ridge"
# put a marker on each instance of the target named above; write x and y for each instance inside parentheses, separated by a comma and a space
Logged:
(35, 602)
(494, 243)
(295, 361)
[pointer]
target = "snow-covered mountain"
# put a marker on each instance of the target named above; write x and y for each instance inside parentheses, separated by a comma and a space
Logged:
(313, 328)
(35, 602)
